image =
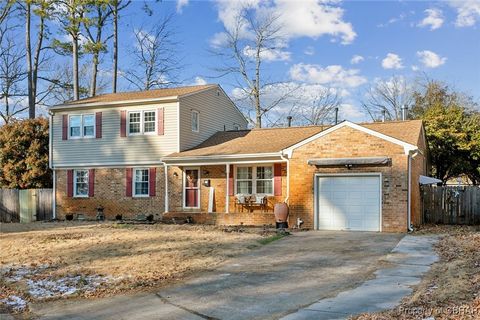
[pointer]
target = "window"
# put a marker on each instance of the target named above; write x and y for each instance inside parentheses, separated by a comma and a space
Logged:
(81, 126)
(244, 180)
(140, 186)
(88, 125)
(254, 180)
(75, 126)
(142, 122)
(195, 121)
(134, 122)
(81, 183)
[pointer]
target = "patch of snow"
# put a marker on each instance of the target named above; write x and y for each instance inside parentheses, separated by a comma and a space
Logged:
(15, 302)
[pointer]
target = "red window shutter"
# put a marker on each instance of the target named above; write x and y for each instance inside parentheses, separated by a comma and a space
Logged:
(160, 121)
(231, 189)
(128, 182)
(64, 127)
(91, 182)
(98, 125)
(69, 183)
(123, 123)
(277, 179)
(152, 180)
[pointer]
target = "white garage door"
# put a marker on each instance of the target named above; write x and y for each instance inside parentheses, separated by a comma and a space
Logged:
(348, 203)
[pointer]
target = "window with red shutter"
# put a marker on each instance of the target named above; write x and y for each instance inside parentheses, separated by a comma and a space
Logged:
(123, 123)
(98, 124)
(91, 182)
(69, 183)
(152, 180)
(128, 182)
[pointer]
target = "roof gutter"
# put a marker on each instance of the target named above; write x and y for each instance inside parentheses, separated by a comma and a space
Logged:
(67, 106)
(226, 156)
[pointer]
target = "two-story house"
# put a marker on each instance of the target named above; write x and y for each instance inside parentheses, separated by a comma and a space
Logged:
(107, 150)
(187, 152)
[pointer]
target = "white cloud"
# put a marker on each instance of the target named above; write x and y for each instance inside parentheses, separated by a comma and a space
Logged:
(181, 4)
(200, 81)
(268, 54)
(433, 19)
(415, 68)
(350, 112)
(392, 61)
(308, 18)
(334, 75)
(468, 12)
(309, 51)
(430, 59)
(356, 59)
(218, 40)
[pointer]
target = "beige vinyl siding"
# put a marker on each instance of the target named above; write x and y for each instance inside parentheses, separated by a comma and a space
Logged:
(215, 112)
(111, 148)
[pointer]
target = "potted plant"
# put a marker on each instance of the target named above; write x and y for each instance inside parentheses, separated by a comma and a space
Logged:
(281, 215)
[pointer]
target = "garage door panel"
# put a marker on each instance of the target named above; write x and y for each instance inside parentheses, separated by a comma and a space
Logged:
(349, 202)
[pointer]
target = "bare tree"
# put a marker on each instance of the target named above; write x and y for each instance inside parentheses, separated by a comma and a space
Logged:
(94, 29)
(243, 48)
(115, 7)
(155, 58)
(321, 110)
(5, 8)
(389, 97)
(42, 9)
(12, 74)
(71, 14)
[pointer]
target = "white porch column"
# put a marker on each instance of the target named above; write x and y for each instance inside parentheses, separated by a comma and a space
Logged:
(166, 187)
(227, 198)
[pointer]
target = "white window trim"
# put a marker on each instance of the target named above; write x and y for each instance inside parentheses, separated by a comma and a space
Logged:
(198, 120)
(142, 123)
(183, 188)
(82, 136)
(254, 178)
(134, 175)
(75, 195)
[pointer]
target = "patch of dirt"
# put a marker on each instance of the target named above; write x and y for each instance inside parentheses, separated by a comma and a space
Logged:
(51, 260)
(451, 289)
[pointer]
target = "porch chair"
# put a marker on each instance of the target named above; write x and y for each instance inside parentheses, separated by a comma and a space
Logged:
(240, 200)
(260, 201)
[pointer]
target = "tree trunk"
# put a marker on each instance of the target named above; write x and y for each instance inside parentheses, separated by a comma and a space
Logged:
(93, 83)
(28, 47)
(115, 45)
(76, 94)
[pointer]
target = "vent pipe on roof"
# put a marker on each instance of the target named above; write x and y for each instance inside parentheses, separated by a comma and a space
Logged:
(336, 115)
(289, 121)
(404, 112)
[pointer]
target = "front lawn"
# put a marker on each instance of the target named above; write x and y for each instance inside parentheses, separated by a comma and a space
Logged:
(451, 289)
(51, 260)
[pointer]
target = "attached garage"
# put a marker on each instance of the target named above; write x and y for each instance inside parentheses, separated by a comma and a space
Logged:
(348, 202)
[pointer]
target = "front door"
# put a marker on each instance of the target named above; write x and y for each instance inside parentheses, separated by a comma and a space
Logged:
(192, 190)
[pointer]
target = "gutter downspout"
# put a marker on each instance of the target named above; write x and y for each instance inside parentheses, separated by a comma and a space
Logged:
(227, 197)
(50, 164)
(288, 177)
(411, 155)
(165, 169)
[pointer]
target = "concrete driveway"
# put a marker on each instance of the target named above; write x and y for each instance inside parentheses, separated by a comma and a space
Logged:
(267, 283)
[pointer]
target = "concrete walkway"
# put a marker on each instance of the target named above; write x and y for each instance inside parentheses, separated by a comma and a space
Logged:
(266, 283)
(410, 259)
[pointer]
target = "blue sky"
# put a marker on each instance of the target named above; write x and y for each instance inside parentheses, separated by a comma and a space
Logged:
(344, 46)
(401, 38)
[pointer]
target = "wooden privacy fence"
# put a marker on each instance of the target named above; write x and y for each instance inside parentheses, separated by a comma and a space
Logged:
(451, 204)
(26, 205)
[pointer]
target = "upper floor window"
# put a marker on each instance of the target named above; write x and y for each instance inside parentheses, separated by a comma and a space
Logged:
(142, 122)
(195, 121)
(81, 126)
(80, 183)
(140, 185)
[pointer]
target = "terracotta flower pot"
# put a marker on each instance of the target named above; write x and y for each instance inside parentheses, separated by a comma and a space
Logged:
(281, 212)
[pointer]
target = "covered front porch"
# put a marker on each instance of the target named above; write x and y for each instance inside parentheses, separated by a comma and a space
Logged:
(233, 192)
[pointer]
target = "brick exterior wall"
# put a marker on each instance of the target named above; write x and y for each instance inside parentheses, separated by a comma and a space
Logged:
(110, 186)
(343, 143)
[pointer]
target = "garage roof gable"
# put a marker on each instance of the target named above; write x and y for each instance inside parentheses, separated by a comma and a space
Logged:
(406, 146)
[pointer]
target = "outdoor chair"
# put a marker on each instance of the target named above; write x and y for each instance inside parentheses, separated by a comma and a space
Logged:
(240, 201)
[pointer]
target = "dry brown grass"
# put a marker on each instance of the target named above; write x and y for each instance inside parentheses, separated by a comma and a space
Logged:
(451, 289)
(141, 255)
